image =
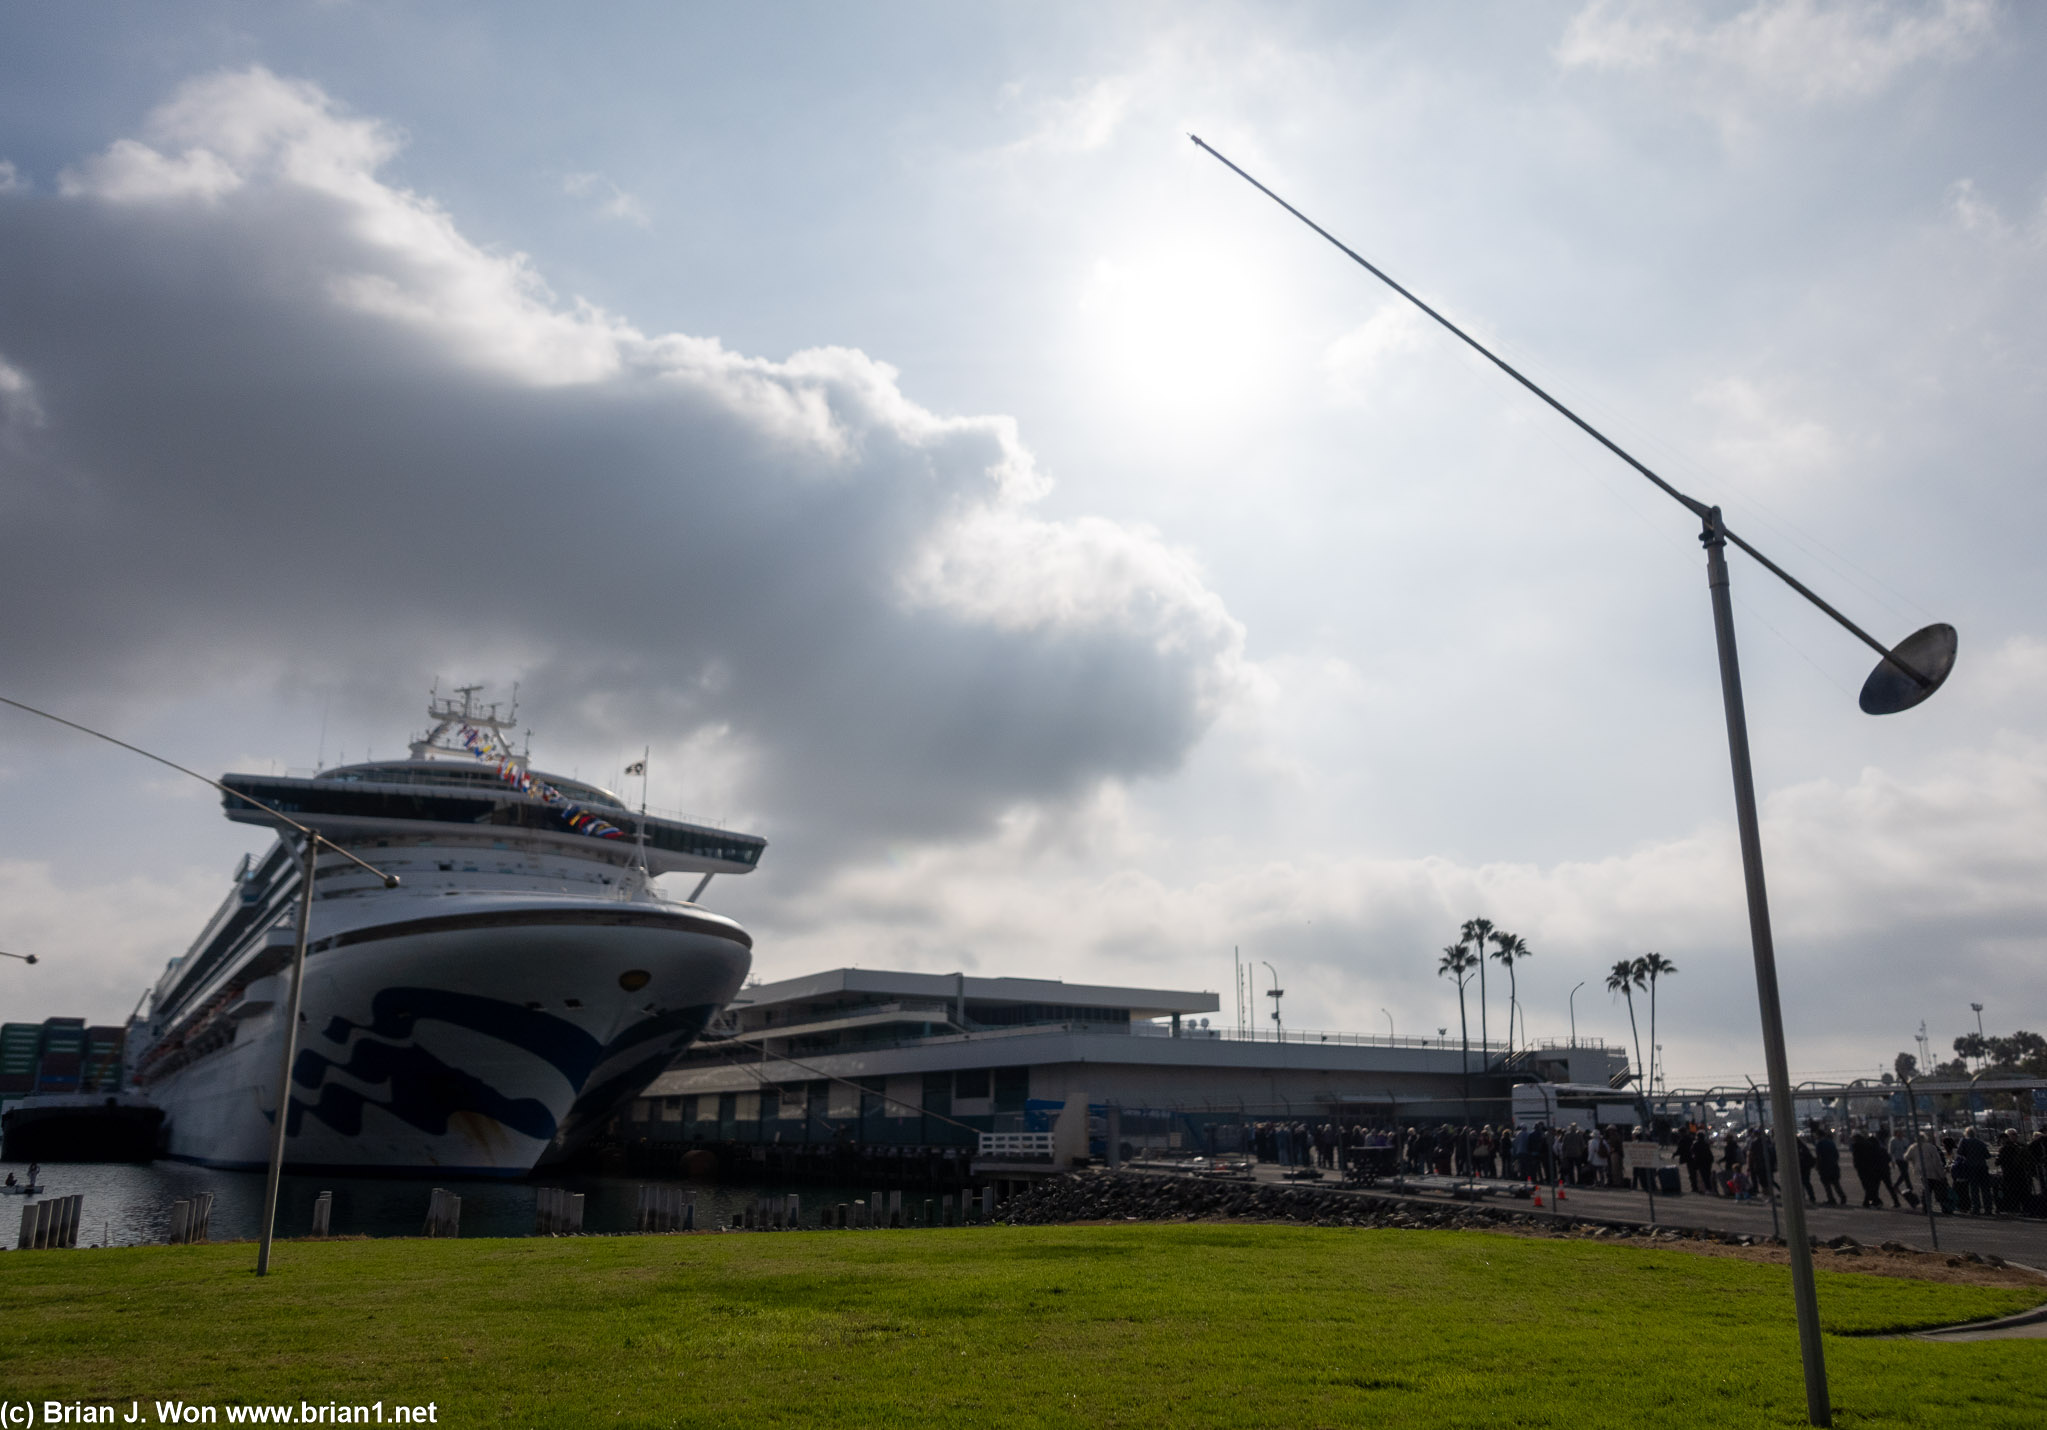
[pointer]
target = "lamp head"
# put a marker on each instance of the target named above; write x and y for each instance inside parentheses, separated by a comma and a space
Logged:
(1891, 686)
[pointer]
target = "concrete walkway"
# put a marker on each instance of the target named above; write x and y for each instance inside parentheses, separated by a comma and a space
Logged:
(2020, 1239)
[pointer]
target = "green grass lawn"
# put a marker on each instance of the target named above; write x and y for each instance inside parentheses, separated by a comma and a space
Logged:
(1152, 1325)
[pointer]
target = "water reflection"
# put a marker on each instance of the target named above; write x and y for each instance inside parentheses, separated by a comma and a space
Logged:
(128, 1204)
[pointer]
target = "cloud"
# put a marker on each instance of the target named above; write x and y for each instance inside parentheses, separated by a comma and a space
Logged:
(1940, 872)
(11, 181)
(1755, 436)
(1808, 51)
(98, 941)
(294, 420)
(1080, 121)
(613, 201)
(1358, 360)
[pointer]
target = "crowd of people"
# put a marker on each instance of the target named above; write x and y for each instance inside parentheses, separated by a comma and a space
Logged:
(1961, 1171)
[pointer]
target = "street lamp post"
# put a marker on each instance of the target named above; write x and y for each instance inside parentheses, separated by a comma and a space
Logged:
(1905, 675)
(1925, 1187)
(1573, 1002)
(24, 957)
(1390, 1034)
(1275, 993)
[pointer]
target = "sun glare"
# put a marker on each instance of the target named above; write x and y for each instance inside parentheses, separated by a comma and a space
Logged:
(1186, 335)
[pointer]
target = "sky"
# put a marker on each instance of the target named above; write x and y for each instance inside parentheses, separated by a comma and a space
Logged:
(1072, 566)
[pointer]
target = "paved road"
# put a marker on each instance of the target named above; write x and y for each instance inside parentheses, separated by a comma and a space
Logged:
(2020, 1239)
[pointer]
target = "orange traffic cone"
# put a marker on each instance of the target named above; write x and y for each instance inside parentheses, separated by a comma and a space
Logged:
(1538, 1198)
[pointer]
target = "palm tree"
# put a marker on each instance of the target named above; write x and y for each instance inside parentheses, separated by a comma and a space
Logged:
(1457, 961)
(1653, 966)
(1624, 978)
(1509, 949)
(1476, 932)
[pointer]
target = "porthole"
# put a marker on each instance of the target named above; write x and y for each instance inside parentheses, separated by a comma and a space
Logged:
(634, 979)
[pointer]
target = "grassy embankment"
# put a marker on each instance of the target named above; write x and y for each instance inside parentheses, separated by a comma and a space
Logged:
(1147, 1325)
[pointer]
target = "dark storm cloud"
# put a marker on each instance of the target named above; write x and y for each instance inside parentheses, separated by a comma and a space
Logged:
(262, 409)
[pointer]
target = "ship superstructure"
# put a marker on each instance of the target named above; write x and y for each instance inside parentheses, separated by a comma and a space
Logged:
(522, 981)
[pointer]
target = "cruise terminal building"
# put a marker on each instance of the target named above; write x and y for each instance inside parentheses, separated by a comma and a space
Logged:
(880, 1058)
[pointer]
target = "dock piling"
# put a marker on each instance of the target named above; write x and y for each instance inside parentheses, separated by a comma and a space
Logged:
(323, 1215)
(443, 1213)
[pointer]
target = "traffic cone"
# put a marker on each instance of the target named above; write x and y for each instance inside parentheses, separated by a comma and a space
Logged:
(1538, 1196)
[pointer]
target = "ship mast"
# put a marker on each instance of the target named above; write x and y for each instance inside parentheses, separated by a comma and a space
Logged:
(449, 717)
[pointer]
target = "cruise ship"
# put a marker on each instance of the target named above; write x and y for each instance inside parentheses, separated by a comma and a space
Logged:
(521, 982)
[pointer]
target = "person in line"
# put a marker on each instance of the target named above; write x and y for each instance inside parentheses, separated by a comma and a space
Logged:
(1699, 1174)
(2014, 1172)
(1871, 1167)
(2036, 1201)
(1898, 1146)
(1826, 1156)
(1759, 1163)
(1972, 1173)
(1930, 1163)
(1880, 1161)
(1702, 1162)
(1577, 1152)
(1806, 1162)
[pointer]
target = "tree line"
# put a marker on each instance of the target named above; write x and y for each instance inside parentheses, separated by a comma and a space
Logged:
(1479, 943)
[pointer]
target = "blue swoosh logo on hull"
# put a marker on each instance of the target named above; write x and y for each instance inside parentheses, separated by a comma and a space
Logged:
(426, 1092)
(393, 1011)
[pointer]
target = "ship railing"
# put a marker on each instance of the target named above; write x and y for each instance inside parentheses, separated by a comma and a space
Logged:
(1484, 1054)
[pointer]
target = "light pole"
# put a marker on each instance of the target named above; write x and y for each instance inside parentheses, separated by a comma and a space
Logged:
(1573, 1002)
(1390, 1034)
(1904, 676)
(24, 957)
(1919, 1161)
(1977, 1009)
(1275, 993)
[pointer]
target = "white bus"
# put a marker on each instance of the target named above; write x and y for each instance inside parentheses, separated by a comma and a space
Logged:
(1559, 1104)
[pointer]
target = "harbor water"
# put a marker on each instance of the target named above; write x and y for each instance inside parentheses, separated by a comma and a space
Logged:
(129, 1204)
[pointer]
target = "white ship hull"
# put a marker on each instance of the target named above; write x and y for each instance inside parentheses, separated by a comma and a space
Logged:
(455, 1034)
